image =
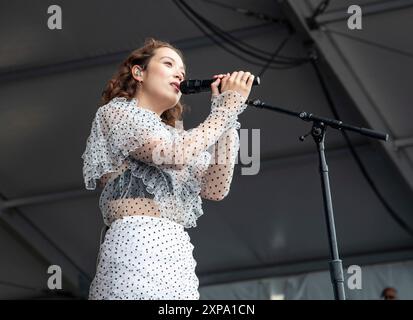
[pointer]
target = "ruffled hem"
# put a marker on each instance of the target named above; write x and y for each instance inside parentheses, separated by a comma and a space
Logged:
(176, 192)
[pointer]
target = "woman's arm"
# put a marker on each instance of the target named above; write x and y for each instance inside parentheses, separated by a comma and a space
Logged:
(140, 134)
(216, 180)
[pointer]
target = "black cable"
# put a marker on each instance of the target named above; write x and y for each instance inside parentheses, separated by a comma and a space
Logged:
(322, 6)
(375, 44)
(277, 50)
(210, 36)
(355, 155)
(248, 13)
(219, 43)
(259, 16)
(229, 38)
(181, 4)
(292, 60)
(311, 21)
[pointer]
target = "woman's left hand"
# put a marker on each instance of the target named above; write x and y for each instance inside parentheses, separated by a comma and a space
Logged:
(216, 83)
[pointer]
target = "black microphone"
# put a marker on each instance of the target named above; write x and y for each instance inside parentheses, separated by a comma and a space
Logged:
(196, 86)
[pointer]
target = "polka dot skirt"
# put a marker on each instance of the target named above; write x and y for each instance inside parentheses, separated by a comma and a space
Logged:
(145, 258)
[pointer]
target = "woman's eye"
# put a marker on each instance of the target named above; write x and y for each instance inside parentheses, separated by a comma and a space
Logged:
(170, 63)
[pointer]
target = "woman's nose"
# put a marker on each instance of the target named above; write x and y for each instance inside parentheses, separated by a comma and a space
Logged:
(179, 76)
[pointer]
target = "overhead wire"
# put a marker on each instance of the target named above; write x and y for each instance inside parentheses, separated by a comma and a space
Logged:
(229, 40)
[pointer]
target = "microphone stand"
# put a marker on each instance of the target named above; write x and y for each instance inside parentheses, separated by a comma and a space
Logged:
(318, 132)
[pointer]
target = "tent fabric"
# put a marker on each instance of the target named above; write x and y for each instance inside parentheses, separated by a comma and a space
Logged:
(272, 221)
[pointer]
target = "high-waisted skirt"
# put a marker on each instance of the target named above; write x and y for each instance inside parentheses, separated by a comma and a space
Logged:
(145, 257)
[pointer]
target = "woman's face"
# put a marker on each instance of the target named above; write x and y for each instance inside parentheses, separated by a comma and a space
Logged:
(157, 91)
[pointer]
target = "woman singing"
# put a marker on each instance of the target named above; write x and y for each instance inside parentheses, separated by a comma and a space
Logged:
(153, 173)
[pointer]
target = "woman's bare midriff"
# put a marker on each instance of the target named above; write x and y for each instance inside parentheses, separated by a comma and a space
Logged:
(129, 206)
(133, 206)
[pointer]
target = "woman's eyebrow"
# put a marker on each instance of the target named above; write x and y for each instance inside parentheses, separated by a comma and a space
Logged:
(172, 60)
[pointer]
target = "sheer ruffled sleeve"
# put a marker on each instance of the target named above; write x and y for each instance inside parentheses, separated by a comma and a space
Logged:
(215, 177)
(216, 180)
(123, 129)
(116, 128)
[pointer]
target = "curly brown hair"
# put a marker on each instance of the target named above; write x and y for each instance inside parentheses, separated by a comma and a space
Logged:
(123, 84)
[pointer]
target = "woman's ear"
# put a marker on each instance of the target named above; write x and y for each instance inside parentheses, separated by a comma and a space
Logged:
(137, 73)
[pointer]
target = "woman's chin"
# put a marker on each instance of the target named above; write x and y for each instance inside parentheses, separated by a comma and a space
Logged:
(175, 99)
(171, 103)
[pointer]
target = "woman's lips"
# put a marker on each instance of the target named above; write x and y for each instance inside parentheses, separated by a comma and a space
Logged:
(175, 86)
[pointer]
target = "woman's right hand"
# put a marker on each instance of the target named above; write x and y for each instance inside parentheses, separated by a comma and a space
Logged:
(239, 81)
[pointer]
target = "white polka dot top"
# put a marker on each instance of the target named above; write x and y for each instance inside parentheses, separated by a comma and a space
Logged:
(165, 170)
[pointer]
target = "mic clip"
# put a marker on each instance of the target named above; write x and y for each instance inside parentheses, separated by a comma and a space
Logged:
(316, 131)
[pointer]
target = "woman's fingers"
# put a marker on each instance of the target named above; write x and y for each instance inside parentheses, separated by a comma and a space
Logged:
(240, 81)
(215, 84)
(246, 76)
(219, 76)
(234, 80)
(233, 76)
(239, 75)
(250, 80)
